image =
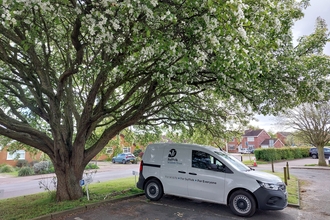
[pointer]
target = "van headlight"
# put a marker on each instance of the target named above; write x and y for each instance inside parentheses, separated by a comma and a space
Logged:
(270, 186)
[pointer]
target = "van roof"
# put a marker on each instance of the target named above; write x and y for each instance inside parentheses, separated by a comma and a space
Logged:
(185, 145)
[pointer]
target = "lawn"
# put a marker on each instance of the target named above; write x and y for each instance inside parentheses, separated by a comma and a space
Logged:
(292, 188)
(31, 206)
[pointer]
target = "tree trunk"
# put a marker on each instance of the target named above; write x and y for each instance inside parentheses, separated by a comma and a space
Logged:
(68, 177)
(322, 161)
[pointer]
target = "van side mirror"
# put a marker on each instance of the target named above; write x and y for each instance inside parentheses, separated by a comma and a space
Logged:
(221, 168)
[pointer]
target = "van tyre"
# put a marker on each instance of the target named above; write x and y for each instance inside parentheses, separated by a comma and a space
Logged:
(242, 203)
(153, 190)
(124, 161)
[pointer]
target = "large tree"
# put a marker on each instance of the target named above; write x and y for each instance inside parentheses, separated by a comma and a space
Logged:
(69, 68)
(312, 124)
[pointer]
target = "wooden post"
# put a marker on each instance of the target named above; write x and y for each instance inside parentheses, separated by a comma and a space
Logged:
(287, 170)
(285, 177)
(273, 166)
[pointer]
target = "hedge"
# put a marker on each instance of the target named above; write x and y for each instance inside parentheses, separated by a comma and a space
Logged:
(286, 153)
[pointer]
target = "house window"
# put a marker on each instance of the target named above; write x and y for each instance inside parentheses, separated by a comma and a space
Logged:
(108, 150)
(19, 154)
(126, 150)
(231, 147)
(250, 139)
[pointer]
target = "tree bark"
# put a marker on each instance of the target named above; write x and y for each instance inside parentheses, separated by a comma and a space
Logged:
(68, 177)
(322, 161)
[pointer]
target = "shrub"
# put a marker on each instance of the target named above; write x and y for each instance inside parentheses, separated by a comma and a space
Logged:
(6, 169)
(25, 171)
(91, 166)
(137, 152)
(51, 169)
(287, 153)
(42, 167)
(22, 163)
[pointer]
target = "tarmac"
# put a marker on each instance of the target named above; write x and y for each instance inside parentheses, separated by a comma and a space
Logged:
(306, 163)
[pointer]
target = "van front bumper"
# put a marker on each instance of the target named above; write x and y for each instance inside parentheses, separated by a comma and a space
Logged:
(271, 199)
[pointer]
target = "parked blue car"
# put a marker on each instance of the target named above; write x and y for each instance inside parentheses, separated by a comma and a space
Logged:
(124, 158)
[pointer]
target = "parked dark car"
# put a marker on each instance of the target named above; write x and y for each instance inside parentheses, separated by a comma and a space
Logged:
(314, 154)
(124, 158)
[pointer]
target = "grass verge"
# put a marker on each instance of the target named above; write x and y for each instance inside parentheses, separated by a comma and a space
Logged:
(32, 206)
(292, 188)
(251, 162)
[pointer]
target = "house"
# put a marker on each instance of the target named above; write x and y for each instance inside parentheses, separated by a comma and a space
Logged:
(12, 158)
(252, 139)
(272, 142)
(233, 145)
(282, 135)
(110, 151)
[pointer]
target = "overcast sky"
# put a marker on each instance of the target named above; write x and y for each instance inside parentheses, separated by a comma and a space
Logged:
(305, 26)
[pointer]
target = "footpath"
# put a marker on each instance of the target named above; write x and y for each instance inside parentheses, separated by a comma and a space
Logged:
(307, 163)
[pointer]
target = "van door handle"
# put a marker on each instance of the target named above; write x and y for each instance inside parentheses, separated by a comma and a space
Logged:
(193, 173)
(181, 171)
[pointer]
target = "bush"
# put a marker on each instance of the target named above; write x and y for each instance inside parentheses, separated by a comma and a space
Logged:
(22, 163)
(25, 171)
(51, 169)
(137, 152)
(287, 153)
(91, 166)
(6, 169)
(42, 167)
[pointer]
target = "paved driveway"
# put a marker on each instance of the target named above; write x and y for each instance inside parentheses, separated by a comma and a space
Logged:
(315, 205)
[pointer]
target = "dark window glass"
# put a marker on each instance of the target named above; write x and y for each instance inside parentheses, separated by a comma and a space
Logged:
(205, 161)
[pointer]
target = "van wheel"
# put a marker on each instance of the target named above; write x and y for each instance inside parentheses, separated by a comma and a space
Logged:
(124, 161)
(314, 156)
(154, 190)
(242, 203)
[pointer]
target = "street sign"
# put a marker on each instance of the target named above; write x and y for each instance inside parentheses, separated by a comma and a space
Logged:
(2, 192)
(81, 182)
(88, 180)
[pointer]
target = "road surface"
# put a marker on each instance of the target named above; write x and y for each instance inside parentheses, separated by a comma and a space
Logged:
(20, 186)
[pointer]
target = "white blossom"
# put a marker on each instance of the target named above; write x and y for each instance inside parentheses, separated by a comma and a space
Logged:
(242, 32)
(214, 41)
(154, 3)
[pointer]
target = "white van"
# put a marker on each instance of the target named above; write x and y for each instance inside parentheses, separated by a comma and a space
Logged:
(208, 174)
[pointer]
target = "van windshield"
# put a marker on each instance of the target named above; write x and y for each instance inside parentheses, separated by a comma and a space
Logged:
(233, 161)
